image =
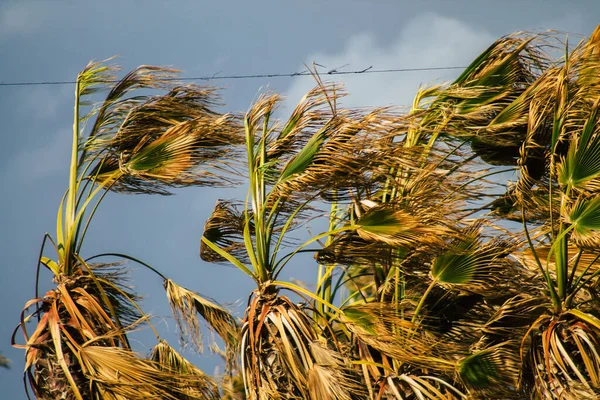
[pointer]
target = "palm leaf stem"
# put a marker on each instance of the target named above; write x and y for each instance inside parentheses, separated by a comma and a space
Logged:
(121, 255)
(90, 216)
(72, 191)
(38, 270)
(237, 263)
(580, 285)
(559, 250)
(422, 299)
(285, 228)
(545, 273)
(359, 288)
(574, 270)
(82, 194)
(477, 179)
(324, 274)
(284, 260)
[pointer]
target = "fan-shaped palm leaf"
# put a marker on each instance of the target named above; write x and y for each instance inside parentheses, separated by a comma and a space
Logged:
(582, 163)
(396, 227)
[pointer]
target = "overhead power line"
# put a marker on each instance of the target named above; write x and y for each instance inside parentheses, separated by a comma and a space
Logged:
(215, 77)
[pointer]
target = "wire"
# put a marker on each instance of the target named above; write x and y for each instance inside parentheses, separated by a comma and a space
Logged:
(275, 75)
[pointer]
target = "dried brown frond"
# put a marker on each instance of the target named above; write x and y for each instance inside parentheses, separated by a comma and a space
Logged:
(116, 373)
(284, 356)
(332, 376)
(392, 333)
(198, 385)
(90, 306)
(563, 358)
(225, 228)
(187, 305)
(311, 113)
(388, 379)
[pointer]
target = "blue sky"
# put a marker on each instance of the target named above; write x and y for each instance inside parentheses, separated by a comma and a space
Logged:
(51, 40)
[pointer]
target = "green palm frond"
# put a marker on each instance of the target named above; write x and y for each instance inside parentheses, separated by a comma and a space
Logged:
(392, 333)
(397, 227)
(584, 218)
(582, 163)
(492, 369)
(182, 155)
(468, 261)
(310, 114)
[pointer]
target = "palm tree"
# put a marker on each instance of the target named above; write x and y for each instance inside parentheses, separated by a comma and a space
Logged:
(284, 354)
(79, 348)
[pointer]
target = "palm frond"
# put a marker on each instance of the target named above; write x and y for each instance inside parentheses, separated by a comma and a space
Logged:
(201, 386)
(582, 163)
(392, 333)
(397, 227)
(182, 155)
(225, 228)
(187, 305)
(467, 261)
(332, 376)
(584, 217)
(115, 373)
(490, 369)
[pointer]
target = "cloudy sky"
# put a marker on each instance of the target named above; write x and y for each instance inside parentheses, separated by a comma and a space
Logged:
(51, 40)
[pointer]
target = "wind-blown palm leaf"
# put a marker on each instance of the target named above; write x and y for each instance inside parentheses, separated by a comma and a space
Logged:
(582, 163)
(311, 113)
(584, 217)
(397, 227)
(119, 374)
(583, 261)
(171, 159)
(496, 78)
(186, 305)
(469, 262)
(491, 370)
(332, 376)
(351, 249)
(392, 334)
(337, 157)
(225, 228)
(201, 386)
